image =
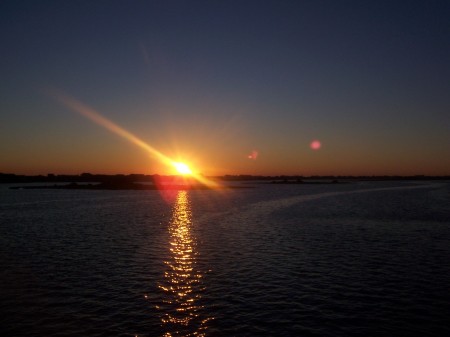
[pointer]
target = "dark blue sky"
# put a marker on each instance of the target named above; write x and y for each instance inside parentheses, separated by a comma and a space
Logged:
(213, 81)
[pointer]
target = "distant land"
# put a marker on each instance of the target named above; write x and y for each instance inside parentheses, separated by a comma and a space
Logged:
(155, 178)
(88, 181)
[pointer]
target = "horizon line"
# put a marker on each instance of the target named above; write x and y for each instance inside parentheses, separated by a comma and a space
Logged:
(86, 174)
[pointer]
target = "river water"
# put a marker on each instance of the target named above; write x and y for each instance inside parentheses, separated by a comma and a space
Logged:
(356, 259)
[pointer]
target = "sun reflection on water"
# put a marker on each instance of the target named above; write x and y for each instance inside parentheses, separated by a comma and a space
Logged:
(183, 315)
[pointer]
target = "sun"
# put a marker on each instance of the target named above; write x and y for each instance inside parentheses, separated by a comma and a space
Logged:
(182, 168)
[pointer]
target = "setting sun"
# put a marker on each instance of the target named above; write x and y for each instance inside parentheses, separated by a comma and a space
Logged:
(182, 168)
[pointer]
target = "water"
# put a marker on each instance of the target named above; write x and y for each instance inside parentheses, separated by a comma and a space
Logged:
(359, 259)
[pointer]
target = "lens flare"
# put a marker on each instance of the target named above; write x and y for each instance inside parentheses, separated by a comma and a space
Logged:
(97, 118)
(253, 155)
(315, 145)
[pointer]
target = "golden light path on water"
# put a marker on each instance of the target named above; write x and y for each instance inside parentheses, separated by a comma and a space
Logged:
(99, 119)
(181, 310)
(182, 285)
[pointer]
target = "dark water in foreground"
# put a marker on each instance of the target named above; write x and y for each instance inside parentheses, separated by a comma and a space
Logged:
(362, 259)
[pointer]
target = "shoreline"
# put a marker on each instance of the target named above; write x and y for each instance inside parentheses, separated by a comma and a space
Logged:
(126, 186)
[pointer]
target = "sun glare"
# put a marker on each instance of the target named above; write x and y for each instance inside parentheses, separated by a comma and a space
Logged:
(99, 119)
(182, 168)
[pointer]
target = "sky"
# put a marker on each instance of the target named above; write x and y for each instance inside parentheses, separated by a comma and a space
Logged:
(229, 87)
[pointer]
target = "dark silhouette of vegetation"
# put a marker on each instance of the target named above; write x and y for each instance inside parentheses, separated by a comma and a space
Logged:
(123, 179)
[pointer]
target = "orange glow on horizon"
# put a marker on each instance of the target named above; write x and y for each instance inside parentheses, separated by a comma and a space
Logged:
(97, 118)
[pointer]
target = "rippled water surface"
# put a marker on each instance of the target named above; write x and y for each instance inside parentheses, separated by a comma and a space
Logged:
(357, 259)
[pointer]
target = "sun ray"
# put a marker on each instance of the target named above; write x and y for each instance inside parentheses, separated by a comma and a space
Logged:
(99, 119)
